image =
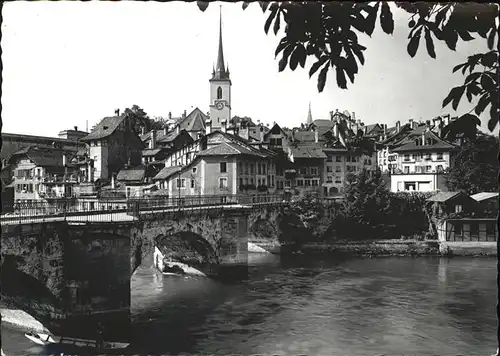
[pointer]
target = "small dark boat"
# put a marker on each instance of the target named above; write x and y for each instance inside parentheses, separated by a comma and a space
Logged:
(75, 343)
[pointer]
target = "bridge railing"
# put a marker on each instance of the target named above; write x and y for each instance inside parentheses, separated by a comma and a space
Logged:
(114, 210)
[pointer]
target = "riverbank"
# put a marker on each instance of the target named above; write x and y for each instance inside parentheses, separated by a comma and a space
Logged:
(395, 248)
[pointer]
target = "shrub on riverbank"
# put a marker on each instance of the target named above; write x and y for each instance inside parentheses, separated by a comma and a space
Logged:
(369, 211)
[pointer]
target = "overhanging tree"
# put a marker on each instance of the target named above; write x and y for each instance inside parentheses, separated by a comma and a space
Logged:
(328, 32)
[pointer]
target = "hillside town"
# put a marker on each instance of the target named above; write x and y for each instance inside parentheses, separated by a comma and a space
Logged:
(211, 152)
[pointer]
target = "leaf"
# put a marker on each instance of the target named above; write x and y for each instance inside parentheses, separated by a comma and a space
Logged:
(494, 117)
(281, 46)
(482, 104)
(341, 81)
(487, 83)
(284, 60)
(302, 55)
(458, 67)
(294, 59)
(245, 4)
(465, 35)
(315, 66)
(274, 10)
(491, 38)
(472, 77)
(489, 59)
(413, 44)
(202, 5)
(371, 19)
(429, 43)
(451, 38)
(454, 95)
(322, 78)
(277, 24)
(386, 19)
(263, 5)
(358, 51)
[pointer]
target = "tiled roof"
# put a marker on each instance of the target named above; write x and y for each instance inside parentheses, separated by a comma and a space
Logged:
(227, 149)
(195, 121)
(409, 144)
(322, 123)
(484, 196)
(442, 197)
(45, 156)
(309, 150)
(132, 174)
(304, 136)
(105, 128)
(167, 172)
(370, 128)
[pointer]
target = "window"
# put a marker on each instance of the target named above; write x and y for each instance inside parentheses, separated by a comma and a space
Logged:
(181, 183)
(406, 158)
(219, 93)
(307, 182)
(329, 179)
(329, 158)
(314, 171)
(338, 159)
(440, 155)
(241, 182)
(474, 229)
(251, 168)
(418, 169)
(264, 168)
(338, 179)
(223, 167)
(407, 169)
(439, 168)
(458, 208)
(246, 167)
(223, 183)
(303, 170)
(315, 182)
(457, 228)
(348, 158)
(329, 169)
(259, 170)
(490, 229)
(300, 182)
(427, 156)
(192, 183)
(428, 168)
(194, 170)
(338, 169)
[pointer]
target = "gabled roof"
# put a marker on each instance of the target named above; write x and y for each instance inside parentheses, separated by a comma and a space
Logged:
(45, 156)
(484, 196)
(195, 121)
(308, 150)
(105, 128)
(442, 197)
(132, 174)
(322, 123)
(371, 128)
(150, 152)
(273, 130)
(167, 172)
(409, 143)
(230, 149)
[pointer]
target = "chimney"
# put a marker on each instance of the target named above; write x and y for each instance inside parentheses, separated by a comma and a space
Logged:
(410, 121)
(331, 115)
(208, 127)
(117, 112)
(365, 130)
(398, 126)
(152, 142)
(64, 159)
(336, 130)
(223, 125)
(113, 184)
(76, 128)
(165, 130)
(316, 138)
(178, 129)
(170, 115)
(261, 135)
(143, 130)
(184, 114)
(384, 127)
(358, 121)
(354, 116)
(423, 138)
(428, 123)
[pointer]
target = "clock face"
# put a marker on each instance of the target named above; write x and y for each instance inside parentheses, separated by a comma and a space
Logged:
(219, 105)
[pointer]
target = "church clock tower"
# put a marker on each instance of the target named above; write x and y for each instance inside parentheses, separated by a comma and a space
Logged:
(220, 89)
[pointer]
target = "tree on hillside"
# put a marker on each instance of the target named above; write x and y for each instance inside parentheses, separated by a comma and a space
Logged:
(328, 32)
(141, 119)
(475, 168)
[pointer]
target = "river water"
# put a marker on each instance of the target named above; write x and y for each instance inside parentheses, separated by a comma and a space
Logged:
(319, 306)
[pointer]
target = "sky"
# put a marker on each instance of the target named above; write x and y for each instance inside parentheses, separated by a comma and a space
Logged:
(69, 64)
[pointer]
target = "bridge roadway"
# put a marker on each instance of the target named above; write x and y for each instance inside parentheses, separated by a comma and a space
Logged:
(118, 215)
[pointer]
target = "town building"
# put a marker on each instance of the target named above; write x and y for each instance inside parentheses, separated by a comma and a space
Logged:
(111, 145)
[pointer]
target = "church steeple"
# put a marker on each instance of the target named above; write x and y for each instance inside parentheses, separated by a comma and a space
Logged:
(309, 115)
(220, 69)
